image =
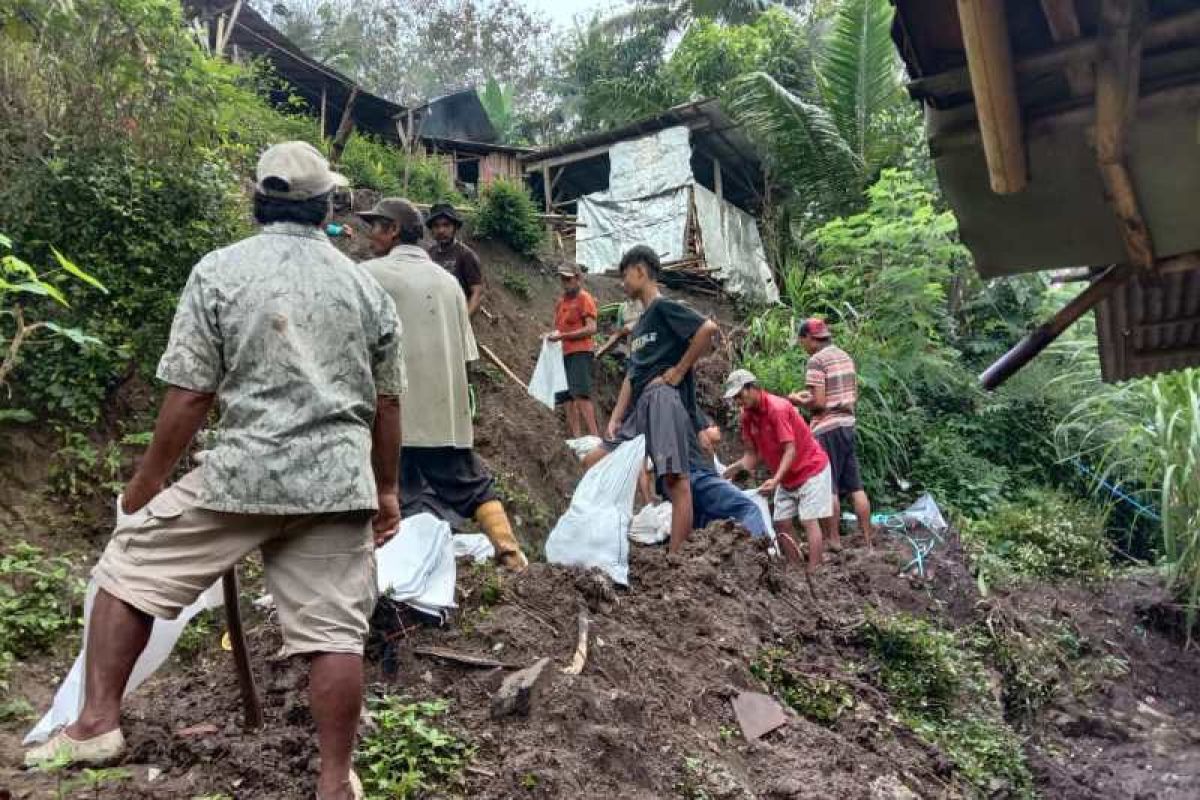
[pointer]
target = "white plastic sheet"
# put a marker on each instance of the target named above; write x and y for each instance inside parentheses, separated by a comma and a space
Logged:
(593, 531)
(549, 375)
(733, 248)
(650, 165)
(68, 700)
(584, 445)
(613, 226)
(476, 546)
(925, 512)
(651, 525)
(417, 566)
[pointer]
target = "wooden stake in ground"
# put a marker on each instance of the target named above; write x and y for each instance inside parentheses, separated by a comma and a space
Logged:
(495, 359)
(581, 647)
(251, 707)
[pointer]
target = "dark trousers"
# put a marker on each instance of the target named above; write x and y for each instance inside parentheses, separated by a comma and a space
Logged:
(449, 482)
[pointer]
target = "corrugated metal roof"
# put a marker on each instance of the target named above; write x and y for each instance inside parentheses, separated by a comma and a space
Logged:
(1144, 329)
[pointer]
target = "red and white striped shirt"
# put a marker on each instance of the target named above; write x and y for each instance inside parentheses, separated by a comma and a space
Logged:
(832, 370)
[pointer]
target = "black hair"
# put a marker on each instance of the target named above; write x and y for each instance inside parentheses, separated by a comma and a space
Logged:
(313, 211)
(410, 232)
(641, 254)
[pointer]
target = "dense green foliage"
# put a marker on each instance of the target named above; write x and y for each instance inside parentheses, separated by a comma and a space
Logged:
(371, 164)
(1041, 534)
(40, 599)
(405, 755)
(507, 213)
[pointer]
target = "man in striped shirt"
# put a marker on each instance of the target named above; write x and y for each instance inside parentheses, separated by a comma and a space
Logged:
(831, 390)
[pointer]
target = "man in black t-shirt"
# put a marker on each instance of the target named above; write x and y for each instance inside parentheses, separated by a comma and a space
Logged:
(658, 396)
(453, 256)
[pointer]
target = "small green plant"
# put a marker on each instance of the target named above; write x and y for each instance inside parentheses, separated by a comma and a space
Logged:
(517, 283)
(530, 781)
(691, 784)
(39, 600)
(406, 755)
(95, 780)
(818, 698)
(940, 691)
(727, 733)
(21, 283)
(196, 636)
(1041, 534)
(15, 709)
(506, 212)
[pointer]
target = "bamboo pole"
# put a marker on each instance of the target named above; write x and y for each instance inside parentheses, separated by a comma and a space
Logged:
(495, 359)
(1117, 74)
(1064, 27)
(1040, 337)
(989, 61)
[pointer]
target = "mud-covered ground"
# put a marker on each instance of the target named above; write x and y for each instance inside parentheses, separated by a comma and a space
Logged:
(653, 701)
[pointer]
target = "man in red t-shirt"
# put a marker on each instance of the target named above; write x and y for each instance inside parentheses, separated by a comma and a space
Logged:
(775, 434)
(575, 326)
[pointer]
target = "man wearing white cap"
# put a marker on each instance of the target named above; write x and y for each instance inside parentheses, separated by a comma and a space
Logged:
(301, 350)
(776, 435)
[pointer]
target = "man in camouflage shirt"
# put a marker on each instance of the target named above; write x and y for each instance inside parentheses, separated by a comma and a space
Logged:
(302, 352)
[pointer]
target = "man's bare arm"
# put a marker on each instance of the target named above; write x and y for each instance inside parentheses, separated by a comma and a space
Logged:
(746, 463)
(587, 331)
(699, 346)
(617, 336)
(620, 409)
(475, 300)
(181, 415)
(385, 461)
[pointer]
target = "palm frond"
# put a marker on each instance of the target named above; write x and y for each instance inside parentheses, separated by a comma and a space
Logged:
(620, 100)
(858, 72)
(806, 149)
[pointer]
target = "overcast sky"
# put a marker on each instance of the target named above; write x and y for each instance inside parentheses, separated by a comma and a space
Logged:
(562, 12)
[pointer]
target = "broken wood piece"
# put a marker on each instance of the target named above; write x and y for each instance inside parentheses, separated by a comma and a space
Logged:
(515, 696)
(581, 647)
(468, 659)
(994, 84)
(251, 706)
(203, 729)
(495, 359)
(758, 714)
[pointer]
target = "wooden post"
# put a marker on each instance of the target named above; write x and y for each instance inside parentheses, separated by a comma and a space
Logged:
(1064, 27)
(324, 102)
(989, 61)
(251, 706)
(547, 189)
(717, 179)
(1117, 74)
(345, 128)
(1037, 339)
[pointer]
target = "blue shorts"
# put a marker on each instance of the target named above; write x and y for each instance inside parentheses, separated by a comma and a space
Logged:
(714, 499)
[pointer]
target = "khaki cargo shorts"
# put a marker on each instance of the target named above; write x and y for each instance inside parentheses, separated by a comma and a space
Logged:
(320, 568)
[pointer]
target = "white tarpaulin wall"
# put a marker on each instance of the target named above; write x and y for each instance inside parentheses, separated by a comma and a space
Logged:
(650, 188)
(734, 248)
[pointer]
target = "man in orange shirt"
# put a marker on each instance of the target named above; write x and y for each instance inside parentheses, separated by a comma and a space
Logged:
(575, 326)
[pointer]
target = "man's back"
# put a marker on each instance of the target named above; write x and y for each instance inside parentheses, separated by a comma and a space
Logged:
(831, 368)
(288, 332)
(438, 343)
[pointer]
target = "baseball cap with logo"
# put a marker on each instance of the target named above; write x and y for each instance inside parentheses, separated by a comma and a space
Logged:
(295, 171)
(738, 379)
(394, 209)
(816, 328)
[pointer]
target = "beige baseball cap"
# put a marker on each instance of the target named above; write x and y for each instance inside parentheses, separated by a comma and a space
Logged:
(738, 379)
(295, 171)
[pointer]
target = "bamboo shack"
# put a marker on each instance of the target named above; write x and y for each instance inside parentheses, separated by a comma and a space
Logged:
(686, 182)
(1065, 134)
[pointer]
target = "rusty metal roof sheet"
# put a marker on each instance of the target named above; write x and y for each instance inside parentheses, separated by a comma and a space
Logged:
(1145, 329)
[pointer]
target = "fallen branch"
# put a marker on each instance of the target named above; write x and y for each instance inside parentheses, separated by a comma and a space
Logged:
(581, 647)
(467, 659)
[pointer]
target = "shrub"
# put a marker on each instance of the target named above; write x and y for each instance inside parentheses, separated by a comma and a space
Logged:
(1041, 534)
(40, 599)
(372, 164)
(820, 699)
(507, 213)
(954, 474)
(941, 693)
(406, 755)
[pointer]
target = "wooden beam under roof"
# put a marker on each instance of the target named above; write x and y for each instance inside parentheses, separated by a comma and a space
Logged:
(1064, 27)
